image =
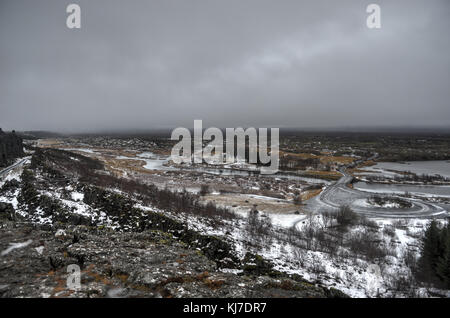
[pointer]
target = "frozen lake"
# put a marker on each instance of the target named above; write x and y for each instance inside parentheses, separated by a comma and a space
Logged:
(443, 191)
(440, 167)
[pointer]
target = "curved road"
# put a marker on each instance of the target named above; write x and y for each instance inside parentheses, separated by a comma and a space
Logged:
(8, 169)
(338, 194)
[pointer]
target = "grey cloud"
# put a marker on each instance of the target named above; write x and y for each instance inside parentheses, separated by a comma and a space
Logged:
(150, 64)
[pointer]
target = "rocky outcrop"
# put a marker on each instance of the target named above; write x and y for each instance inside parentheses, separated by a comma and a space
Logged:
(11, 147)
(34, 262)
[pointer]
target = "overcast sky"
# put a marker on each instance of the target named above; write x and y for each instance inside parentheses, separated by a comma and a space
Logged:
(162, 63)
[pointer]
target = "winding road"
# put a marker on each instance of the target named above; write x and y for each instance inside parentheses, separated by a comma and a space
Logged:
(8, 169)
(339, 194)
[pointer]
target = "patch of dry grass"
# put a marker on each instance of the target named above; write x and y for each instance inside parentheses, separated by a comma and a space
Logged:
(326, 158)
(337, 159)
(306, 195)
(328, 175)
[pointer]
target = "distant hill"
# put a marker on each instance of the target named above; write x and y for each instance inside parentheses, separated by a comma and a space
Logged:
(39, 134)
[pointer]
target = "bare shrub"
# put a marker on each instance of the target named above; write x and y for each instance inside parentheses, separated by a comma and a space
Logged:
(403, 285)
(400, 224)
(328, 219)
(316, 266)
(411, 259)
(389, 230)
(367, 222)
(259, 227)
(204, 189)
(300, 256)
(366, 244)
(346, 217)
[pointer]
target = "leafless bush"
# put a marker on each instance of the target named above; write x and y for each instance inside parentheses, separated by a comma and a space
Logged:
(367, 222)
(300, 256)
(259, 227)
(328, 219)
(346, 217)
(389, 230)
(403, 284)
(313, 236)
(328, 244)
(366, 244)
(400, 224)
(411, 259)
(316, 266)
(204, 189)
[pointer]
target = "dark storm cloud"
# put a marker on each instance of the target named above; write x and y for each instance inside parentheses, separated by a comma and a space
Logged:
(147, 64)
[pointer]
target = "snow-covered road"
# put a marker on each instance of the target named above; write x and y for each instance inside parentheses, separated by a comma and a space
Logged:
(339, 194)
(11, 167)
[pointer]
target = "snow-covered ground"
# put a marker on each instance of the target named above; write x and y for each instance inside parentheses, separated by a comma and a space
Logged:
(353, 275)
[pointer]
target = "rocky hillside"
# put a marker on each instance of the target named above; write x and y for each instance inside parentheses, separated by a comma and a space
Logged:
(11, 147)
(50, 219)
(34, 263)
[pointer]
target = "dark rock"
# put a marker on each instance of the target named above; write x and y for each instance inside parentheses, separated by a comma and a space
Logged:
(11, 147)
(7, 211)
